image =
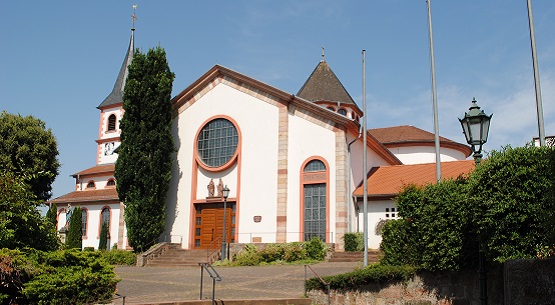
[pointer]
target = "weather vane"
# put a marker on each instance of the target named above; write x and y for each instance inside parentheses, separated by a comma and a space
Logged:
(133, 16)
(323, 49)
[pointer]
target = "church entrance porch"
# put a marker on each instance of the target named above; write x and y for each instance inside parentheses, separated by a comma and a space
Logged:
(209, 224)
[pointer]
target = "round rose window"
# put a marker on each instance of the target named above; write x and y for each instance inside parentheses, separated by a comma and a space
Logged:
(217, 142)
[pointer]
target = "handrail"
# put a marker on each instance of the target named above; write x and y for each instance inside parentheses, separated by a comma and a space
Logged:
(213, 248)
(321, 280)
(213, 274)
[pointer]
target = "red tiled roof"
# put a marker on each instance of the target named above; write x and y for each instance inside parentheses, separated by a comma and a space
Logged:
(405, 133)
(387, 181)
(98, 169)
(88, 196)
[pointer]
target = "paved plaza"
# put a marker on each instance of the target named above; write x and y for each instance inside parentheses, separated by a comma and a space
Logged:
(156, 284)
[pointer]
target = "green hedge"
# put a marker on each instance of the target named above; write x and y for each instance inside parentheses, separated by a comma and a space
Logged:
(119, 257)
(59, 277)
(354, 241)
(314, 250)
(372, 274)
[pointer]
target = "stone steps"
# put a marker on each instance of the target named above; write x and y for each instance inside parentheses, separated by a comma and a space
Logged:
(373, 256)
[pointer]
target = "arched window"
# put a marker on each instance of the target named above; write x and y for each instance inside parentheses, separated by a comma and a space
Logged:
(112, 122)
(315, 166)
(105, 215)
(84, 222)
(315, 200)
(217, 142)
(331, 108)
(342, 111)
(111, 182)
(91, 185)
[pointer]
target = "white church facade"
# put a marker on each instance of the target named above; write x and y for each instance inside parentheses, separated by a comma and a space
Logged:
(292, 163)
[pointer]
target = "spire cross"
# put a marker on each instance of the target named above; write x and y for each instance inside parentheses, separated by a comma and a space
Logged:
(323, 50)
(134, 17)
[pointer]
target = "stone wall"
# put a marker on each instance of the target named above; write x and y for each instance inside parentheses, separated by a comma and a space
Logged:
(530, 282)
(445, 288)
(517, 282)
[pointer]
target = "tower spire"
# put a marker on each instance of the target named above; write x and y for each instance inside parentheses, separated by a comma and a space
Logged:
(116, 96)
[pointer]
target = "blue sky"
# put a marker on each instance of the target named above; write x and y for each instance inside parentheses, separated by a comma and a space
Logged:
(59, 59)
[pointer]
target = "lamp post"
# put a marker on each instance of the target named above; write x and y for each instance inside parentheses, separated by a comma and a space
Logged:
(475, 125)
(225, 194)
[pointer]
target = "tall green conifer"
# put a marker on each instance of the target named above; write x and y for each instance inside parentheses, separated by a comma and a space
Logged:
(75, 231)
(143, 168)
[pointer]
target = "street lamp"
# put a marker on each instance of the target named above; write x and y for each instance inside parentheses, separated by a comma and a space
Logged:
(225, 194)
(475, 125)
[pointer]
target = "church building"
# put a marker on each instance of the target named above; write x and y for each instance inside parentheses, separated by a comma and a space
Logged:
(292, 164)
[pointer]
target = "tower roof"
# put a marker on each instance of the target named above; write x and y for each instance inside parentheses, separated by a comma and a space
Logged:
(116, 96)
(323, 85)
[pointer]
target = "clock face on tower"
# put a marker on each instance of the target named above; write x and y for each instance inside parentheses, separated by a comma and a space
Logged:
(109, 148)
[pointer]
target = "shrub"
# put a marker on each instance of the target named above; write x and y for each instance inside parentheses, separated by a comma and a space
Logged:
(78, 277)
(354, 241)
(248, 257)
(120, 257)
(315, 249)
(358, 278)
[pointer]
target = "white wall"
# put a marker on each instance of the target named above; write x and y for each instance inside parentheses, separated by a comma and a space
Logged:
(425, 154)
(376, 212)
(306, 139)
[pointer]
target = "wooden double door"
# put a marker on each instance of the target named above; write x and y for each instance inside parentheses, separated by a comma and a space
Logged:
(209, 224)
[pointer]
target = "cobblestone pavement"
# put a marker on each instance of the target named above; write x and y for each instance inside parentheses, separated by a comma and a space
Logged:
(158, 284)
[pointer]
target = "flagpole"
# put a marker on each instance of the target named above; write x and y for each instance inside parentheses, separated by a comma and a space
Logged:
(434, 95)
(364, 161)
(539, 106)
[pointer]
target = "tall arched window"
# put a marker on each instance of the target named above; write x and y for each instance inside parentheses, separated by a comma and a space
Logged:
(315, 200)
(105, 217)
(111, 122)
(84, 222)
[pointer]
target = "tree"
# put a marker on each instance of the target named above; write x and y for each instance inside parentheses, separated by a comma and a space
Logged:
(75, 231)
(21, 225)
(28, 149)
(52, 215)
(514, 192)
(143, 168)
(103, 241)
(435, 231)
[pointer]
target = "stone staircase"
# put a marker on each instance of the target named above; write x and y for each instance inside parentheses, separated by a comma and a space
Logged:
(373, 256)
(175, 257)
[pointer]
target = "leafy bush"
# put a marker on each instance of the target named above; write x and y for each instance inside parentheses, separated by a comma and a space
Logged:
(354, 242)
(436, 231)
(277, 253)
(119, 257)
(248, 257)
(514, 194)
(508, 203)
(78, 277)
(315, 249)
(372, 274)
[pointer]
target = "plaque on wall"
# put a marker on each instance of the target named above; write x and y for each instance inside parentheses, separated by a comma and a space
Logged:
(257, 218)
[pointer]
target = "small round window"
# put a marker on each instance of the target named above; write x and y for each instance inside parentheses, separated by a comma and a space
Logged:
(217, 142)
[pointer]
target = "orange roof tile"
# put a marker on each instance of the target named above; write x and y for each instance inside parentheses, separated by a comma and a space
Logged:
(98, 169)
(403, 134)
(410, 135)
(387, 181)
(88, 196)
